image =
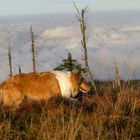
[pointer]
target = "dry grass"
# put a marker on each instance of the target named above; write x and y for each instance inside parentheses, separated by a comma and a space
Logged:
(110, 116)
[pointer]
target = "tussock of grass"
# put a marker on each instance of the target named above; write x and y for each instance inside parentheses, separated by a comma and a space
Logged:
(107, 116)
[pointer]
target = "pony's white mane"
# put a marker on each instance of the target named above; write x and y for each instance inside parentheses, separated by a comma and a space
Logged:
(64, 83)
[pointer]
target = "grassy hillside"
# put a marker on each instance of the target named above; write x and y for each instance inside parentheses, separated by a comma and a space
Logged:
(111, 115)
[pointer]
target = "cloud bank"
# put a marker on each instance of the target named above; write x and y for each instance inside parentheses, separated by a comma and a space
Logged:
(109, 41)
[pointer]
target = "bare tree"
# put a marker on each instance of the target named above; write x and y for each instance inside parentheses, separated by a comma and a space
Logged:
(81, 19)
(33, 49)
(19, 69)
(10, 60)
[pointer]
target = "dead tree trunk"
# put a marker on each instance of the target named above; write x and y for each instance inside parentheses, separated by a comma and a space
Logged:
(10, 60)
(81, 19)
(19, 69)
(33, 49)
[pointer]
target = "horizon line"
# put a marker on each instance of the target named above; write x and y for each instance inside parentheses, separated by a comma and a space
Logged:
(60, 13)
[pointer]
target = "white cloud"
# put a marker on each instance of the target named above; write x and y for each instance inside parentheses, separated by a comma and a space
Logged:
(60, 32)
(132, 28)
(107, 44)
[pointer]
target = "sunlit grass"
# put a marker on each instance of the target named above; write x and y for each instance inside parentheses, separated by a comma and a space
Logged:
(110, 115)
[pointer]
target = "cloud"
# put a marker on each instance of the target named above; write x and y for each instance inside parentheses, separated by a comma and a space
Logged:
(60, 32)
(132, 28)
(107, 44)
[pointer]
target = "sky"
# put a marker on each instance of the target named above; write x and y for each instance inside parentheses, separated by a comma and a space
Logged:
(114, 36)
(28, 7)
